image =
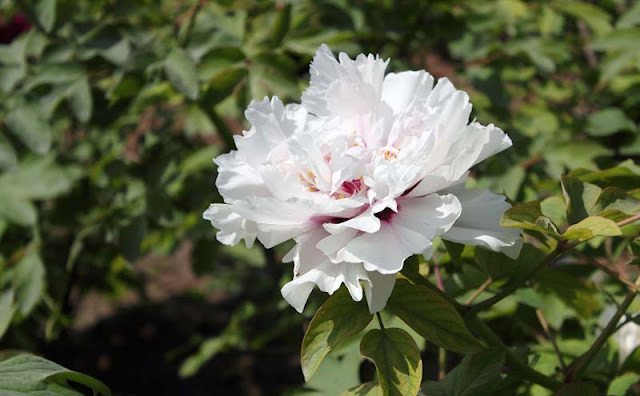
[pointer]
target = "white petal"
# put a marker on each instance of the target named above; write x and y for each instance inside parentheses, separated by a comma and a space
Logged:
(408, 232)
(328, 277)
(477, 143)
(236, 179)
(272, 124)
(400, 90)
(378, 290)
(479, 223)
(366, 221)
(347, 88)
(232, 227)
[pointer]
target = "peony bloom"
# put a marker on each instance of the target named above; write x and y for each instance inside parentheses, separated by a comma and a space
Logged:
(366, 172)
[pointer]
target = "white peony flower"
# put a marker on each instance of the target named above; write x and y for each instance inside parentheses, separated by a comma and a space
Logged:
(366, 172)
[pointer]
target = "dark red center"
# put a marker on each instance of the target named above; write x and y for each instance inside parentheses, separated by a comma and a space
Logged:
(386, 215)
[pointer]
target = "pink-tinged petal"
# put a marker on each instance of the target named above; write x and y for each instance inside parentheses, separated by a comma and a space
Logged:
(401, 90)
(378, 290)
(366, 221)
(479, 223)
(232, 227)
(402, 234)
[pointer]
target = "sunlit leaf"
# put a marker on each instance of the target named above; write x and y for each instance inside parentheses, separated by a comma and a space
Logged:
(338, 318)
(397, 360)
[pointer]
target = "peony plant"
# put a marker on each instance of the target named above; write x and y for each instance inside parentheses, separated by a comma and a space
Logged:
(363, 174)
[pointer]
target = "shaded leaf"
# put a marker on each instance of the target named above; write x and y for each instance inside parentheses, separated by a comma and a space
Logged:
(30, 375)
(28, 125)
(470, 377)
(181, 71)
(8, 157)
(45, 11)
(580, 197)
(608, 121)
(528, 216)
(28, 282)
(371, 388)
(576, 293)
(7, 310)
(578, 389)
(431, 316)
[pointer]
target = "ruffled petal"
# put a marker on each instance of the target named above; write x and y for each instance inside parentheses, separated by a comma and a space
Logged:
(232, 228)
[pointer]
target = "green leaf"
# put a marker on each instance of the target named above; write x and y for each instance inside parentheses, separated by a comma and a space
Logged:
(281, 24)
(573, 155)
(80, 99)
(580, 295)
(622, 176)
(53, 180)
(591, 227)
(529, 217)
(371, 388)
(620, 385)
(7, 309)
(608, 121)
(8, 157)
(618, 40)
(10, 76)
(45, 11)
(630, 18)
(222, 85)
(28, 125)
(581, 198)
(397, 360)
(471, 376)
(30, 375)
(596, 18)
(29, 282)
(181, 71)
(578, 389)
(338, 318)
(218, 60)
(431, 316)
(16, 209)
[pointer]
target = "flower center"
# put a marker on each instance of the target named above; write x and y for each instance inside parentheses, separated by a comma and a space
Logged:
(386, 215)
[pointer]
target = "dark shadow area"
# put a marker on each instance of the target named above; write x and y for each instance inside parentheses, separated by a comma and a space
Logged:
(138, 352)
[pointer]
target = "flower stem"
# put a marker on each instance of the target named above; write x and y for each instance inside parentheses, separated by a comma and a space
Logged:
(479, 291)
(549, 333)
(380, 321)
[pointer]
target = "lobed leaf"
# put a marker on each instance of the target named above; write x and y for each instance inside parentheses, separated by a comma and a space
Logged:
(338, 318)
(397, 360)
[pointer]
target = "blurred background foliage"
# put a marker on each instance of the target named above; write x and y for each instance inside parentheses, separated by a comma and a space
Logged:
(110, 114)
